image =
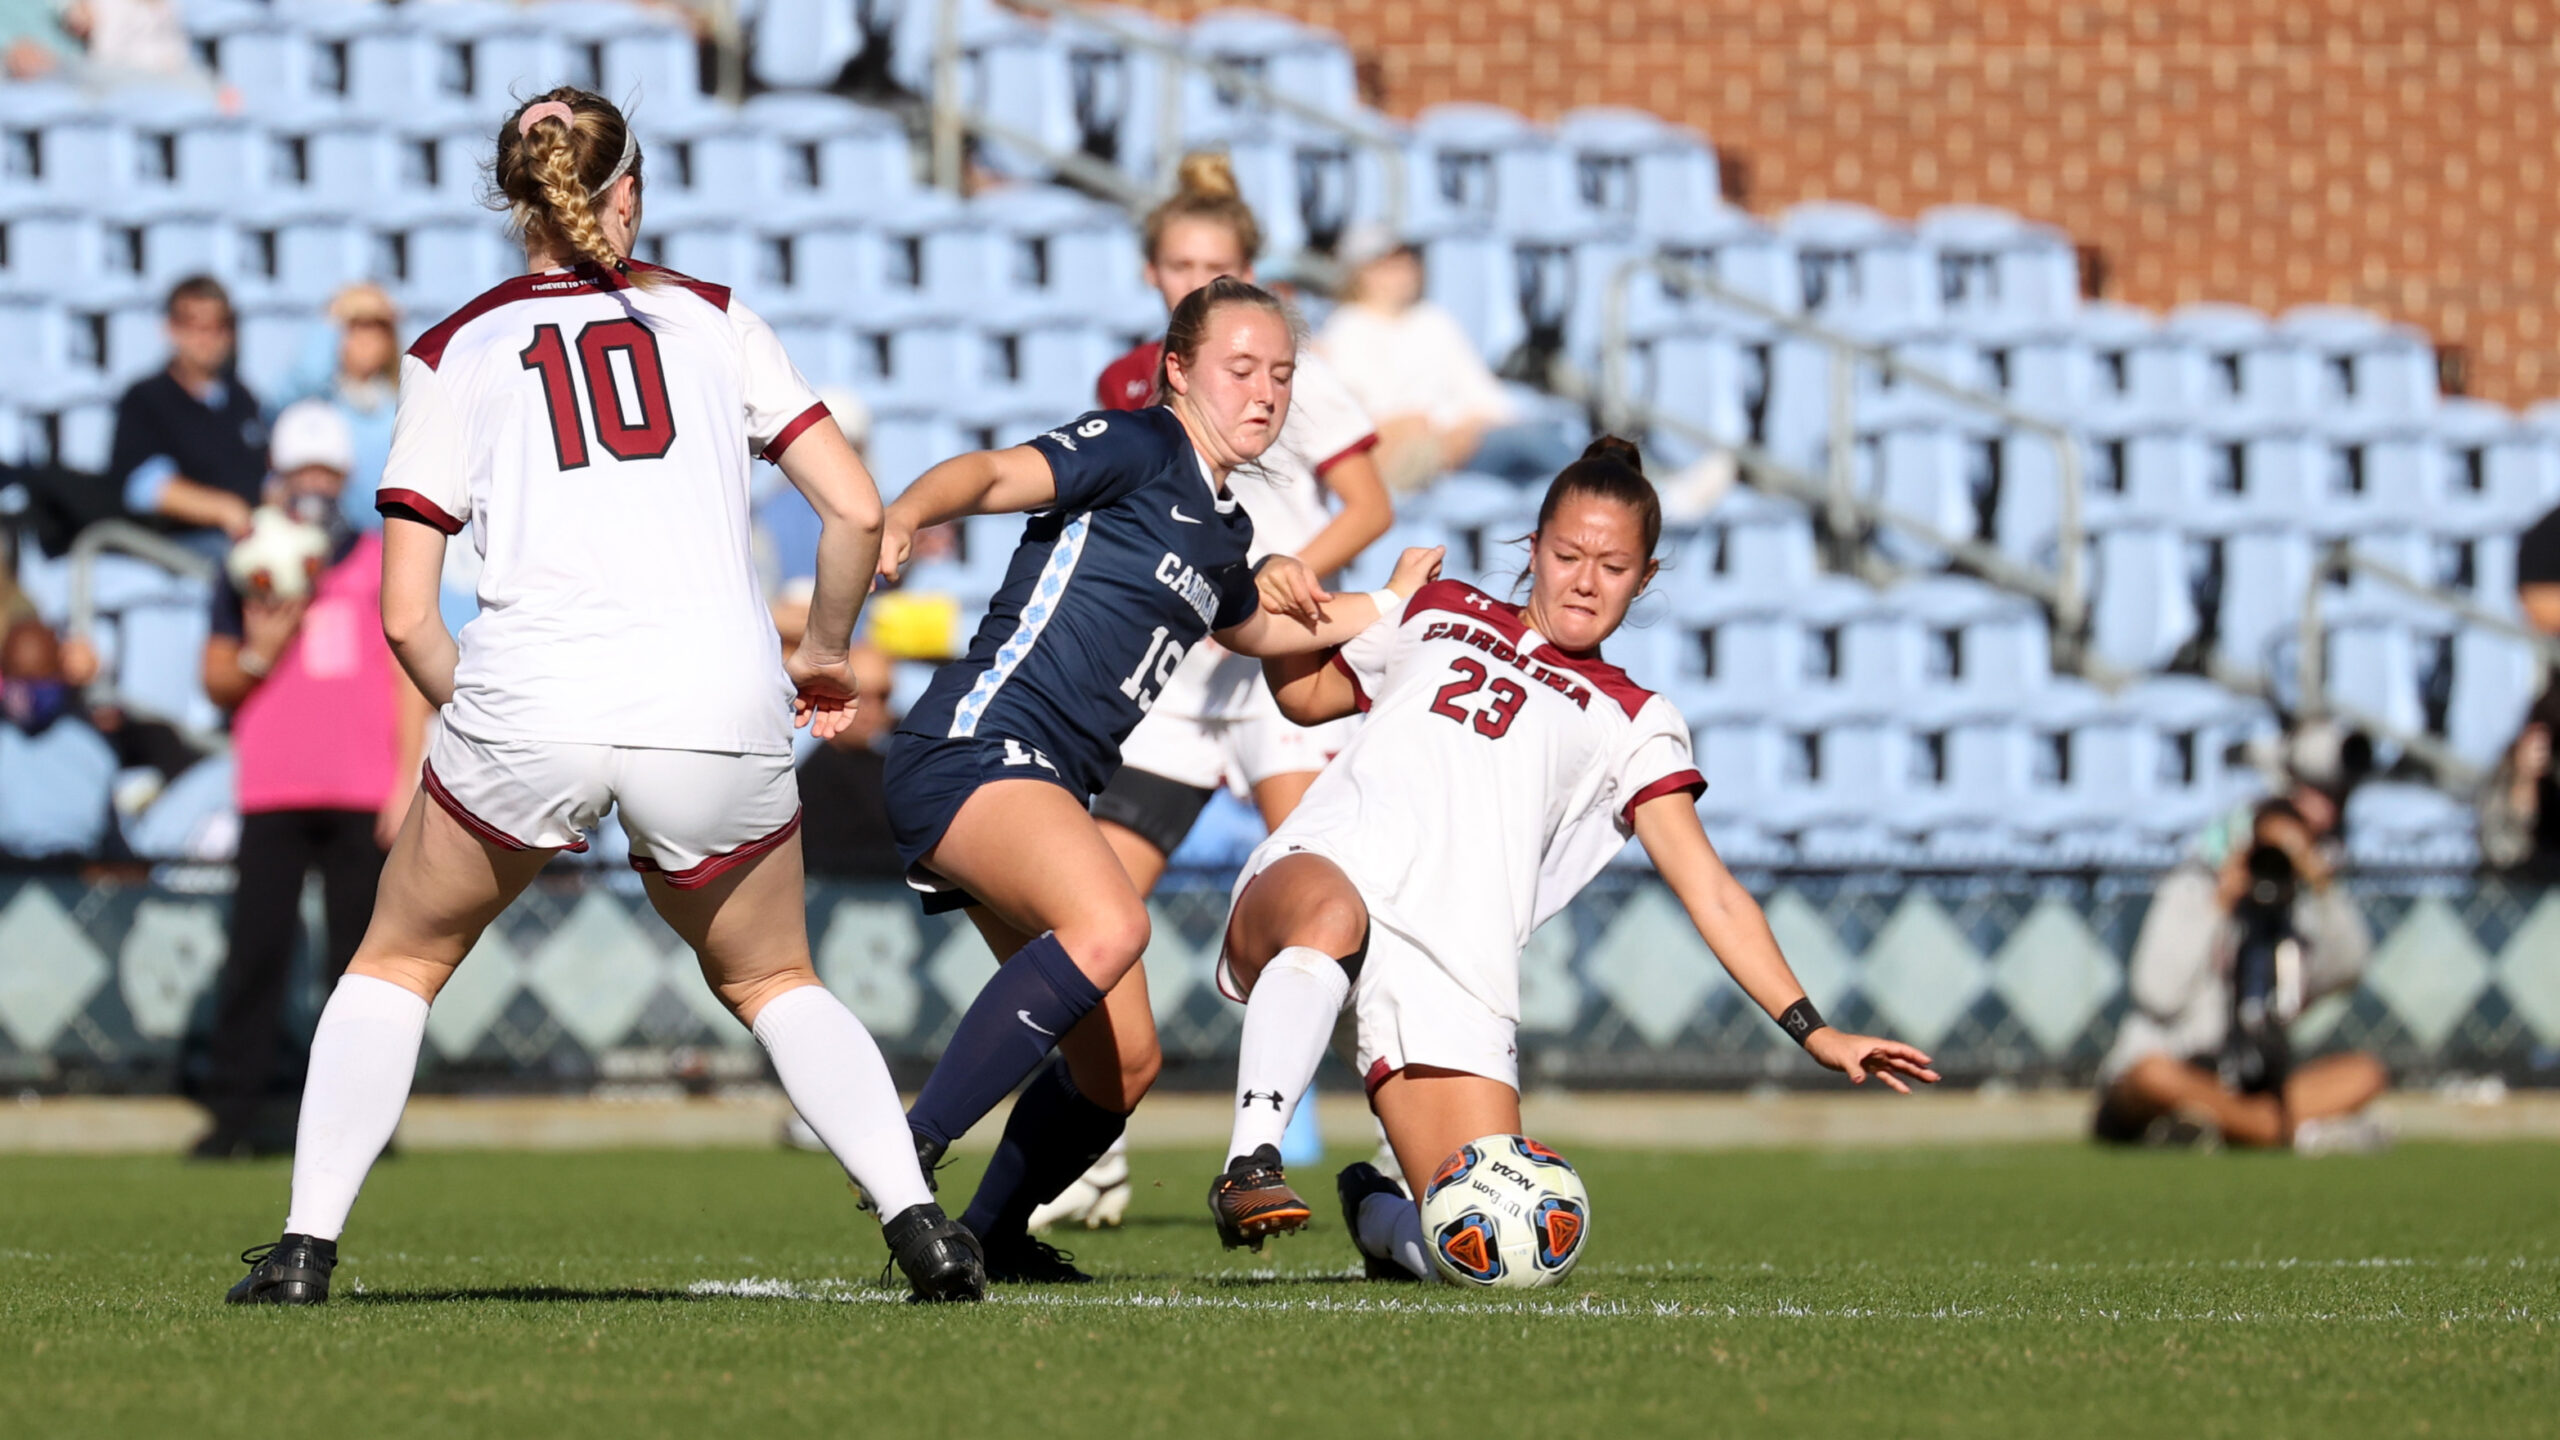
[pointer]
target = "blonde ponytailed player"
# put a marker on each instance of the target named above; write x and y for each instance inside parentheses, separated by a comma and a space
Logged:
(591, 420)
(1501, 764)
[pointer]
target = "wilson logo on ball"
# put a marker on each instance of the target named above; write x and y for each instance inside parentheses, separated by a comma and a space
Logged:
(1469, 1247)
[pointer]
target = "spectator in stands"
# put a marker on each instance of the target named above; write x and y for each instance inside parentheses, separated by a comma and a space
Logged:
(130, 39)
(190, 450)
(353, 362)
(844, 815)
(34, 41)
(326, 738)
(1437, 406)
(59, 771)
(2163, 1080)
(2520, 806)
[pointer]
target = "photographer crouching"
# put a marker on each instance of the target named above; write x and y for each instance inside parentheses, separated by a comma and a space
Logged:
(2251, 928)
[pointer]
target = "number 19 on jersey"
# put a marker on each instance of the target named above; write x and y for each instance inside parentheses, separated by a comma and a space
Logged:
(1162, 656)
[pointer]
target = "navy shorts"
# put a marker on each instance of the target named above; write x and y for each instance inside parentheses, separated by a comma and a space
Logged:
(926, 780)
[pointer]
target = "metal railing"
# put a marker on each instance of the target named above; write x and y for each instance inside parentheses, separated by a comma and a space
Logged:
(124, 537)
(952, 120)
(2339, 563)
(2063, 589)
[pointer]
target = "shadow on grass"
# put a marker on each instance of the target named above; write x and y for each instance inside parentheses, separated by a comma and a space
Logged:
(538, 1294)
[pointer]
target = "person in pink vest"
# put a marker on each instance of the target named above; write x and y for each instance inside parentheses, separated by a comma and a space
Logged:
(326, 735)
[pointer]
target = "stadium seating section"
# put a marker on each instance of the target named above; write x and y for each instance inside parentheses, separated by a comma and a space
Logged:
(1840, 723)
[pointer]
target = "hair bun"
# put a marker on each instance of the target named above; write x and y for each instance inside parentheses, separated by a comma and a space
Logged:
(1618, 448)
(1207, 174)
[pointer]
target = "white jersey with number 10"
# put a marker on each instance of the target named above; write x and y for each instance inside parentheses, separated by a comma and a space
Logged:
(595, 434)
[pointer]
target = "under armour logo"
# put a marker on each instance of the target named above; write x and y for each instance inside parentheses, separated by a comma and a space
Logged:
(1480, 603)
(1250, 1096)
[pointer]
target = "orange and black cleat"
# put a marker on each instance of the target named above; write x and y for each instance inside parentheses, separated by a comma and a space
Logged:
(1253, 1202)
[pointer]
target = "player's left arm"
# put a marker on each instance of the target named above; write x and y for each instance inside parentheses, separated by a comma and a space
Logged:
(1365, 514)
(412, 615)
(1729, 920)
(1297, 615)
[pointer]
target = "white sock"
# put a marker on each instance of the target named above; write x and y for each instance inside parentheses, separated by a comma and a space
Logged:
(1287, 1023)
(835, 1077)
(1391, 1229)
(363, 1056)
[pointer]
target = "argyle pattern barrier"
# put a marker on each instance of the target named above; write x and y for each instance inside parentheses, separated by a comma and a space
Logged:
(108, 986)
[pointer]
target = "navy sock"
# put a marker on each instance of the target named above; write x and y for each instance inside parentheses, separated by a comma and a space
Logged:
(1054, 1135)
(1035, 997)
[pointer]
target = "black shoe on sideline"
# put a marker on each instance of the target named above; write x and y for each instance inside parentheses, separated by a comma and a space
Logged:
(1026, 1259)
(292, 1271)
(1252, 1201)
(938, 1254)
(1356, 1183)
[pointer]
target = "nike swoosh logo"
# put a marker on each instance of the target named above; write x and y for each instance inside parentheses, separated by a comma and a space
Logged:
(1025, 1017)
(1185, 519)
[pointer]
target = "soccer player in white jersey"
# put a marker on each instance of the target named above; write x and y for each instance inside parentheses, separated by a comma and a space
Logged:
(1215, 724)
(1501, 764)
(591, 421)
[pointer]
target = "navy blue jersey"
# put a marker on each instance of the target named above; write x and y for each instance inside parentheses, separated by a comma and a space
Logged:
(1135, 562)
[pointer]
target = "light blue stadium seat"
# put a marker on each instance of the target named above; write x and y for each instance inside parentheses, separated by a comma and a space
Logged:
(906, 441)
(803, 44)
(443, 155)
(303, 253)
(2264, 569)
(1046, 360)
(1632, 168)
(1481, 165)
(931, 360)
(218, 158)
(1375, 564)
(160, 660)
(1700, 378)
(2495, 466)
(1469, 272)
(490, 53)
(1855, 266)
(2410, 825)
(2252, 367)
(1068, 251)
(819, 342)
(163, 238)
(397, 71)
(1933, 472)
(1977, 642)
(2140, 610)
(1994, 265)
(2386, 470)
(909, 37)
(833, 151)
(439, 259)
(1795, 401)
(268, 57)
(50, 244)
(1310, 65)
(2263, 473)
(642, 55)
(2364, 364)
(1307, 189)
(273, 334)
(1734, 247)
(2495, 680)
(2200, 727)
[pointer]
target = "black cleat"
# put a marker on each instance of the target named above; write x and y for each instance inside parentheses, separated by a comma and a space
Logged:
(1356, 1183)
(928, 1159)
(938, 1254)
(1252, 1200)
(1026, 1259)
(292, 1271)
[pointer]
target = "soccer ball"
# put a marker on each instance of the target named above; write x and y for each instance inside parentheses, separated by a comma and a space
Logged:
(1505, 1212)
(279, 558)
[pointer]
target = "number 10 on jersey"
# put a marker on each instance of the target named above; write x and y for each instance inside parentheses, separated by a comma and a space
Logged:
(649, 437)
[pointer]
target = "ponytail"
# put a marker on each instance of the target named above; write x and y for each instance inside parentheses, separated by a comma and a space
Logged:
(1205, 189)
(558, 157)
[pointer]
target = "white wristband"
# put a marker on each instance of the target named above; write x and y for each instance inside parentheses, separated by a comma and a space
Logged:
(1385, 600)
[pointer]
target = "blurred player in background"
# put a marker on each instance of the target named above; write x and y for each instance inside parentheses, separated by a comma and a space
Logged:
(1215, 723)
(1502, 763)
(1135, 553)
(592, 420)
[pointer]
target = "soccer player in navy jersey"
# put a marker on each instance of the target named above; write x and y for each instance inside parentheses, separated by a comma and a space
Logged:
(1135, 551)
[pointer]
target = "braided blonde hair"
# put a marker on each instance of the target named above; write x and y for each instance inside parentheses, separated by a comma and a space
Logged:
(1205, 189)
(552, 177)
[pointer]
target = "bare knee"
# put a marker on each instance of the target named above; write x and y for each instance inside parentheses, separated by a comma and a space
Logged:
(418, 975)
(746, 996)
(1106, 943)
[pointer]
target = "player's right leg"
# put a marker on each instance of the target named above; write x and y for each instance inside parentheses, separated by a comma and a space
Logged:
(1294, 940)
(1429, 1112)
(1028, 852)
(441, 886)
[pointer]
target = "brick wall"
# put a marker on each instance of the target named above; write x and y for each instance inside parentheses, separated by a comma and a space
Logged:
(2383, 153)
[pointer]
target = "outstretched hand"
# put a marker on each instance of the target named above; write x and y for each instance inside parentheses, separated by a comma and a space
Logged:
(1416, 568)
(824, 696)
(1288, 587)
(897, 542)
(1859, 1056)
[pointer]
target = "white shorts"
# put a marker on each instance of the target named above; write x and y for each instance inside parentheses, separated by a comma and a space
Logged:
(691, 814)
(1238, 754)
(1407, 1009)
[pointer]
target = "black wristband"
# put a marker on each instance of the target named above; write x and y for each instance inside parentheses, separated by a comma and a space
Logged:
(1800, 1020)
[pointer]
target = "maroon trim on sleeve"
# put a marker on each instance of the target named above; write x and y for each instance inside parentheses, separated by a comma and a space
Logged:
(1360, 446)
(1672, 784)
(410, 505)
(1359, 696)
(694, 877)
(773, 448)
(1379, 1074)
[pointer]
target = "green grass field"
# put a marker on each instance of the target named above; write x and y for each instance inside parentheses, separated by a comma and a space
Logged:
(2027, 1292)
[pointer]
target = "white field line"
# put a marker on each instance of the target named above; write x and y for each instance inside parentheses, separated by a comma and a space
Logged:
(1593, 1308)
